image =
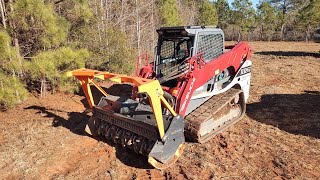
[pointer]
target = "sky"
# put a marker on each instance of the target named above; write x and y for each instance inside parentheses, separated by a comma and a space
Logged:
(255, 2)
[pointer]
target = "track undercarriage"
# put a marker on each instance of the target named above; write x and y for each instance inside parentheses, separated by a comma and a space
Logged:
(215, 115)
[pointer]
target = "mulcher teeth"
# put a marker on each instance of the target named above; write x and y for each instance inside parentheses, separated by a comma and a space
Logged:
(161, 153)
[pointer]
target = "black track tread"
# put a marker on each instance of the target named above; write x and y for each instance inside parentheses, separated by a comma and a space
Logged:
(208, 110)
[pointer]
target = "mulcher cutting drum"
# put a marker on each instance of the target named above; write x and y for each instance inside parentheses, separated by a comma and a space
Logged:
(136, 129)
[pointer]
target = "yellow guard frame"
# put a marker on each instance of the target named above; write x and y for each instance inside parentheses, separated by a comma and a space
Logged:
(149, 86)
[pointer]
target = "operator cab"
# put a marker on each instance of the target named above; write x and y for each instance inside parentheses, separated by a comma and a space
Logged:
(177, 44)
(174, 46)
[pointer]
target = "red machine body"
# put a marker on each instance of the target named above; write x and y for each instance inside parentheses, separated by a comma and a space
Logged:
(201, 72)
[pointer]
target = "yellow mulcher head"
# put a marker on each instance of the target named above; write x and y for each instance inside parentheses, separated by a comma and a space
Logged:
(141, 126)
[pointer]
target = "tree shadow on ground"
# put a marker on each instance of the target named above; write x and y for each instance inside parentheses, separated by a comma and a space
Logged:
(294, 113)
(76, 123)
(289, 53)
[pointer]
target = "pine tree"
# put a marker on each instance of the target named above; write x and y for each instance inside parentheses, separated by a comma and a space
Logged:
(169, 13)
(121, 58)
(207, 14)
(223, 11)
(51, 66)
(39, 25)
(286, 6)
(287, 12)
(266, 20)
(10, 61)
(12, 90)
(309, 17)
(78, 13)
(243, 15)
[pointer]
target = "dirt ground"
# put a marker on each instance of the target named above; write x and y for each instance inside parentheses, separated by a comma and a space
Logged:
(279, 138)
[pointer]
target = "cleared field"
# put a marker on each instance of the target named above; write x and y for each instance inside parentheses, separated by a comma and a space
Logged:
(278, 138)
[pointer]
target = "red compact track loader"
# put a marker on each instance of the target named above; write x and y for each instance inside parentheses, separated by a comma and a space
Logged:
(195, 88)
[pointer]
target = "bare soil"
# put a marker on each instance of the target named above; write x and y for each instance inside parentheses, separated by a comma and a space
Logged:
(279, 138)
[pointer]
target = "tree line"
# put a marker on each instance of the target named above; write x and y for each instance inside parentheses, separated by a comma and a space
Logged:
(40, 40)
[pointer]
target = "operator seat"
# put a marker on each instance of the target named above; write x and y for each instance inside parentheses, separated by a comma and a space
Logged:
(182, 55)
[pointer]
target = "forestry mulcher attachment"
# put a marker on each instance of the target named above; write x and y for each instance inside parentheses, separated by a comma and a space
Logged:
(195, 88)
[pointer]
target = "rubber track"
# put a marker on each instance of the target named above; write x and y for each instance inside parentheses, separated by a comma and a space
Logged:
(213, 107)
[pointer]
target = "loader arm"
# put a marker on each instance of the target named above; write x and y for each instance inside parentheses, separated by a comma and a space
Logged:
(151, 87)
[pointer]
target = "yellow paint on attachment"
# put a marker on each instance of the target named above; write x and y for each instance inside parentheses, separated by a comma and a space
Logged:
(101, 76)
(90, 93)
(116, 79)
(87, 90)
(155, 92)
(217, 72)
(167, 105)
(99, 88)
(173, 159)
(152, 161)
(180, 150)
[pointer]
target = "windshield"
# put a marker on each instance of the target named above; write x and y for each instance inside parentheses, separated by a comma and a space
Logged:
(170, 48)
(172, 52)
